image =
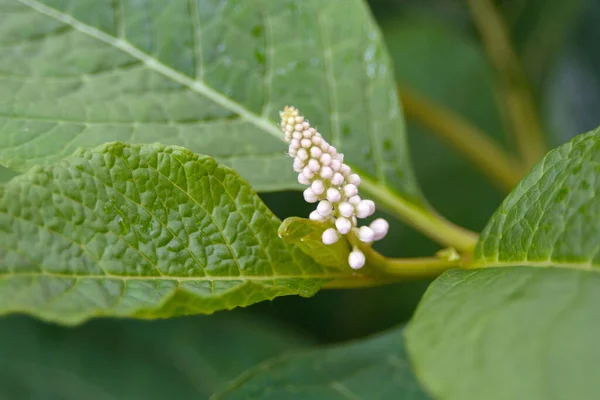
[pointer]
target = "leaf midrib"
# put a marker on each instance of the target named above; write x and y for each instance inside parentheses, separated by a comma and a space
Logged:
(155, 65)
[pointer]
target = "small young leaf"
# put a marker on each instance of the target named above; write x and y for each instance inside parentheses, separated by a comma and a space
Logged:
(307, 235)
(509, 333)
(144, 231)
(375, 368)
(183, 358)
(551, 218)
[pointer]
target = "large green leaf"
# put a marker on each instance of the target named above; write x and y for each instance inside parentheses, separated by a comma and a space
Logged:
(187, 358)
(509, 333)
(145, 231)
(552, 215)
(375, 368)
(208, 75)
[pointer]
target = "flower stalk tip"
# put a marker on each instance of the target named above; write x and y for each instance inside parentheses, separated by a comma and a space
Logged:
(331, 184)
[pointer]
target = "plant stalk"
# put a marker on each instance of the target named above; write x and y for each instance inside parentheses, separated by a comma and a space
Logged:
(513, 84)
(503, 169)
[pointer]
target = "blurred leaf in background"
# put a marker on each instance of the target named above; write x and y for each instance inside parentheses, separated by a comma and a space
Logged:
(182, 358)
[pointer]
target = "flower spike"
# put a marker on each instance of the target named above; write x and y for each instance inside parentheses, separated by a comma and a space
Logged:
(331, 184)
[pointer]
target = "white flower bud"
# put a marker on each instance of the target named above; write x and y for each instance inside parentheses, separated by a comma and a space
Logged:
(356, 259)
(310, 196)
(380, 227)
(332, 150)
(366, 234)
(315, 152)
(337, 179)
(303, 180)
(362, 209)
(299, 127)
(346, 209)
(354, 179)
(306, 125)
(297, 135)
(343, 225)
(295, 143)
(324, 145)
(333, 195)
(308, 133)
(325, 159)
(313, 165)
(324, 208)
(298, 164)
(306, 143)
(291, 120)
(317, 140)
(308, 173)
(299, 119)
(335, 165)
(330, 236)
(318, 187)
(354, 200)
(302, 154)
(345, 170)
(371, 204)
(315, 216)
(350, 190)
(326, 172)
(292, 151)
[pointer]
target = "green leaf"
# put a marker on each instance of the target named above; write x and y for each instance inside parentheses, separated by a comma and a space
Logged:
(307, 235)
(551, 217)
(207, 75)
(375, 368)
(145, 231)
(509, 333)
(186, 358)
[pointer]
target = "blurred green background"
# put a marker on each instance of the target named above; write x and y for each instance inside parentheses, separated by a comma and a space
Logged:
(437, 53)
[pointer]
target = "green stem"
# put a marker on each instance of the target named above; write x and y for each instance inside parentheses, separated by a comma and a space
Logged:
(502, 168)
(513, 84)
(421, 218)
(381, 267)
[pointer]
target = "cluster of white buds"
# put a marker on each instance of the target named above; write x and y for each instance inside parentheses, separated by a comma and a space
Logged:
(331, 184)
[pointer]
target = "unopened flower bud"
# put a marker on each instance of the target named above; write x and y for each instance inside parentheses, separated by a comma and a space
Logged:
(308, 173)
(310, 196)
(333, 195)
(346, 209)
(335, 165)
(354, 200)
(318, 187)
(366, 234)
(326, 172)
(302, 154)
(356, 259)
(350, 190)
(380, 227)
(325, 159)
(337, 179)
(306, 143)
(345, 170)
(362, 209)
(313, 165)
(330, 236)
(315, 216)
(343, 225)
(315, 152)
(324, 208)
(354, 179)
(303, 180)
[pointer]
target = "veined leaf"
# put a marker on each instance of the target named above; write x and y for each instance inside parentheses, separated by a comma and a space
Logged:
(509, 333)
(526, 332)
(208, 75)
(307, 235)
(375, 368)
(183, 358)
(145, 231)
(551, 218)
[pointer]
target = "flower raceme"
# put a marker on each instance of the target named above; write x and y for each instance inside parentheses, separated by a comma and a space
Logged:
(331, 184)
